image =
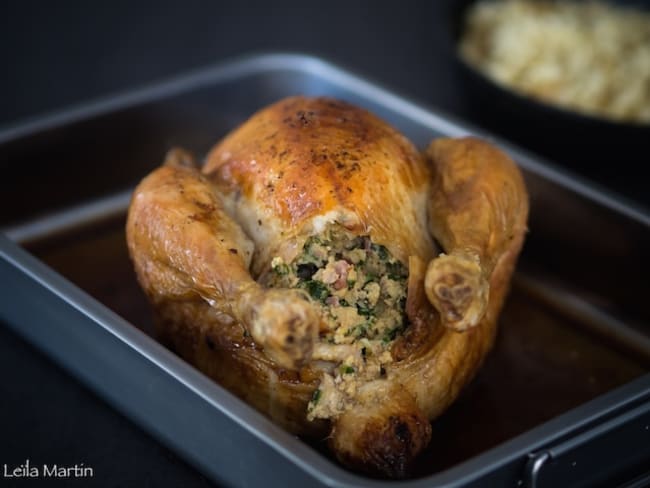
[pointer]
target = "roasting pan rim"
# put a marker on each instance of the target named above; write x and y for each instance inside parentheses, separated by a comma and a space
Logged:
(326, 473)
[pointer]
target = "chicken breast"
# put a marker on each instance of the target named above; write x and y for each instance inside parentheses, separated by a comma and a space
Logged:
(323, 269)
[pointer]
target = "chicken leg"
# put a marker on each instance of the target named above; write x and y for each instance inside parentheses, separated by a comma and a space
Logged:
(184, 244)
(478, 209)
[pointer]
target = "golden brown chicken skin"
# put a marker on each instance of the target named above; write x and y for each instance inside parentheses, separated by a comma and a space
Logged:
(300, 268)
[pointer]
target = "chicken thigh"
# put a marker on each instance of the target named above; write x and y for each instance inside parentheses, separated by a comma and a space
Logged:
(331, 275)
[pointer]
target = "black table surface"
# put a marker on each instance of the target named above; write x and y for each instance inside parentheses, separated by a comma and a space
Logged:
(60, 54)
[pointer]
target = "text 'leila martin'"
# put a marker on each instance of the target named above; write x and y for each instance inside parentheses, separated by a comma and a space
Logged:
(47, 471)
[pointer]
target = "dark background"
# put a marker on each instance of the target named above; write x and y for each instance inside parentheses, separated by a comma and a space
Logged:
(57, 54)
(61, 54)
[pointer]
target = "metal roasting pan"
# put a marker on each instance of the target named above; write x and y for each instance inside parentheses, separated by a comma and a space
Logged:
(563, 399)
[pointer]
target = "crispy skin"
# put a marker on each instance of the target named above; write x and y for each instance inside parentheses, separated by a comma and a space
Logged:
(200, 240)
(478, 213)
(305, 158)
(186, 246)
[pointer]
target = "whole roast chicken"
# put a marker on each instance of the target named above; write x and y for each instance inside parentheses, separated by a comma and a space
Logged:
(331, 275)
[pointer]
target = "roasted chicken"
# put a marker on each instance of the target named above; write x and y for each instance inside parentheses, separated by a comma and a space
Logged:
(328, 273)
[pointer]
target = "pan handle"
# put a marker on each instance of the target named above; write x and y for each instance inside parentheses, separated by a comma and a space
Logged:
(603, 455)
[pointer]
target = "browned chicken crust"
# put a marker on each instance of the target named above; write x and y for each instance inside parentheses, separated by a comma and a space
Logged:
(300, 269)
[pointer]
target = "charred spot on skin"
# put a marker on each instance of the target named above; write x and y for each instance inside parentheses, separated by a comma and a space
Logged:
(395, 447)
(351, 169)
(299, 118)
(318, 158)
(402, 431)
(289, 121)
(206, 207)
